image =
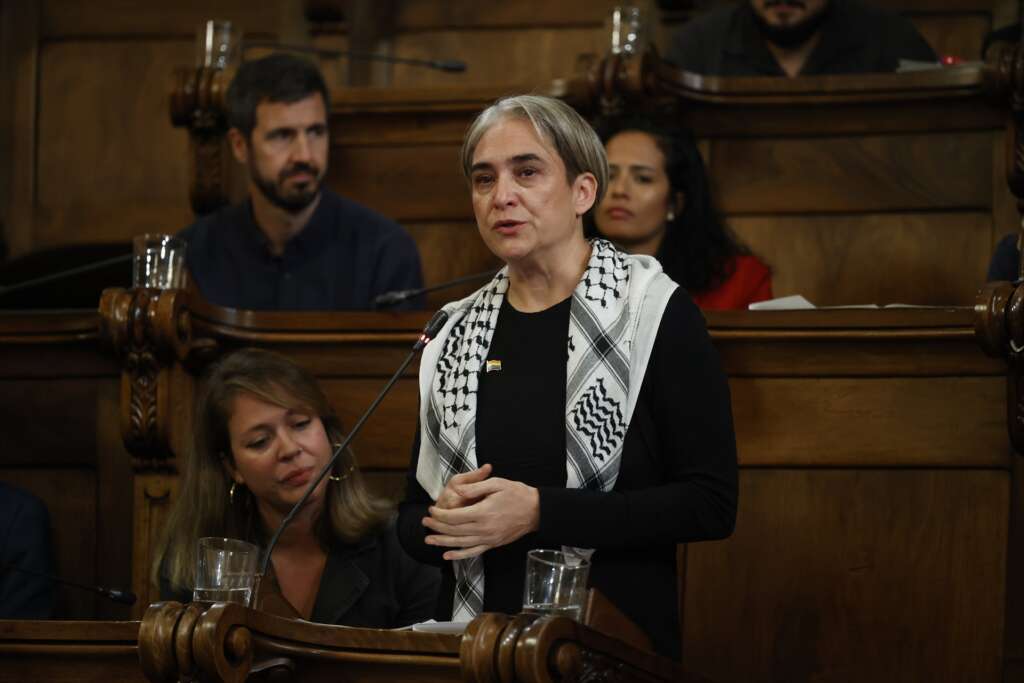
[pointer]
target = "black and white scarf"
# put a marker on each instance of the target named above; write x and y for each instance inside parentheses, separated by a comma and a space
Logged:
(614, 316)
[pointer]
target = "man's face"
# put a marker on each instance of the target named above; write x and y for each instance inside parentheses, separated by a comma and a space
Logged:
(287, 151)
(789, 23)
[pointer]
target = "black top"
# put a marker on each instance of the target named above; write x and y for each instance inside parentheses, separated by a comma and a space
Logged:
(677, 478)
(1005, 263)
(344, 257)
(369, 584)
(855, 38)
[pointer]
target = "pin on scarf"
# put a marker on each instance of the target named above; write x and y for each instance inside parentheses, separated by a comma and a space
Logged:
(493, 366)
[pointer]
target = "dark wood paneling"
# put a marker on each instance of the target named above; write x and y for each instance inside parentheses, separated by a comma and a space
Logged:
(910, 258)
(28, 411)
(955, 35)
(863, 422)
(853, 575)
(123, 18)
(70, 497)
(419, 15)
(409, 184)
(862, 174)
(386, 440)
(449, 251)
(531, 56)
(122, 135)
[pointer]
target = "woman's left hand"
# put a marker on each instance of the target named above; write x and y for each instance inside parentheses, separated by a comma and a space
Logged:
(507, 511)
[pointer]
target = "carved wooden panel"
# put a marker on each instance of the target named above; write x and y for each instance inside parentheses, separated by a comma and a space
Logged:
(819, 555)
(863, 174)
(910, 258)
(864, 422)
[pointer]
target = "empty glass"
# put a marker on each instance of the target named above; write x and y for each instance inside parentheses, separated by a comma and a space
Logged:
(218, 44)
(627, 30)
(556, 583)
(159, 262)
(225, 570)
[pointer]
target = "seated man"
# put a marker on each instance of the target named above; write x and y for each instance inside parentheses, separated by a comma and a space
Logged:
(797, 38)
(293, 244)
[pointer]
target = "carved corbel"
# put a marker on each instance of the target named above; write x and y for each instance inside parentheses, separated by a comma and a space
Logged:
(195, 642)
(197, 102)
(149, 329)
(621, 78)
(999, 308)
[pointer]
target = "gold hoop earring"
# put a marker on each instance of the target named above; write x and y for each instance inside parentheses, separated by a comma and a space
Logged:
(671, 216)
(343, 477)
(231, 492)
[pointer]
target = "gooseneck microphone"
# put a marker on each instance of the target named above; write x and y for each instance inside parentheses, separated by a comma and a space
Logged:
(123, 597)
(399, 295)
(429, 332)
(447, 65)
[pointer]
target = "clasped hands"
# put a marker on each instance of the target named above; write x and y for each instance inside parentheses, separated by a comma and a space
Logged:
(475, 513)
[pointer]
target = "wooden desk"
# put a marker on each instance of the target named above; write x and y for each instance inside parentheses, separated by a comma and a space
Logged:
(876, 479)
(62, 651)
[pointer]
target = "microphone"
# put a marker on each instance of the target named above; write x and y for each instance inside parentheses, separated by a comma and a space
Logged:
(399, 295)
(447, 65)
(429, 332)
(123, 597)
(60, 275)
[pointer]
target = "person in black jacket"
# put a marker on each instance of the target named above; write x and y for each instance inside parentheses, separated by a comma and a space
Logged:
(263, 431)
(573, 401)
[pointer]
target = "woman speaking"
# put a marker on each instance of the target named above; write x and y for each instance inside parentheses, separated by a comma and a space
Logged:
(574, 400)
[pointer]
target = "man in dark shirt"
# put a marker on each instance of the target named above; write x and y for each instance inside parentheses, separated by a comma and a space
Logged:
(26, 556)
(293, 244)
(797, 38)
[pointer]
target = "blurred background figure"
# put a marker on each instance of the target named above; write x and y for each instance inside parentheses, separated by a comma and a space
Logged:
(26, 556)
(659, 203)
(797, 38)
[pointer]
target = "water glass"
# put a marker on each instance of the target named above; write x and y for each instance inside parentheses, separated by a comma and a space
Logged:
(556, 583)
(218, 44)
(159, 262)
(626, 28)
(225, 570)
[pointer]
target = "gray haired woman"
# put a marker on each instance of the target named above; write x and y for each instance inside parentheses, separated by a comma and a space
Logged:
(574, 400)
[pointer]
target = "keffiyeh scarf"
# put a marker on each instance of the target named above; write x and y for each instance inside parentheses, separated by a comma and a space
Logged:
(614, 316)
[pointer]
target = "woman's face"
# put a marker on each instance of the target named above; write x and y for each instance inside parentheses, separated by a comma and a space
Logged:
(277, 452)
(634, 209)
(525, 208)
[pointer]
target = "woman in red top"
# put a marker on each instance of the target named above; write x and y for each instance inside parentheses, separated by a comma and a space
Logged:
(658, 202)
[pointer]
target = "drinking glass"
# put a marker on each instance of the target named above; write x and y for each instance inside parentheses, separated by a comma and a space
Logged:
(218, 44)
(556, 583)
(225, 570)
(626, 28)
(159, 261)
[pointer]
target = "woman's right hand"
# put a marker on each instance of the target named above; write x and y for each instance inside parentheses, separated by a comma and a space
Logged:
(451, 497)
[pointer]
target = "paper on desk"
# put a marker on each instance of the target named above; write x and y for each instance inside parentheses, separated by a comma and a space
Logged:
(794, 302)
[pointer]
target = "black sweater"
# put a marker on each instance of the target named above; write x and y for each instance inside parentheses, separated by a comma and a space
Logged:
(677, 480)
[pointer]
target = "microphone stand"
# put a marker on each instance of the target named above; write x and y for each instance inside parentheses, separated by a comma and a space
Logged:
(398, 296)
(7, 289)
(123, 597)
(448, 65)
(429, 332)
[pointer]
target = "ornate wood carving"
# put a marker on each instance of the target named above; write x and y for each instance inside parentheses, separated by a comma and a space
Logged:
(999, 308)
(197, 103)
(197, 641)
(149, 330)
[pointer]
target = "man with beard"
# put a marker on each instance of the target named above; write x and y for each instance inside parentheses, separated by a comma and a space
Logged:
(797, 38)
(293, 244)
